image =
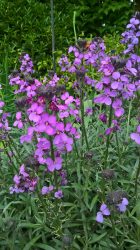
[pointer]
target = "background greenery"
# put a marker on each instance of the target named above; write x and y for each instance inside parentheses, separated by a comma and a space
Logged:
(25, 24)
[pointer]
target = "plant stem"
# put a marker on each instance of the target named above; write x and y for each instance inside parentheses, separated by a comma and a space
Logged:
(53, 158)
(74, 26)
(6, 151)
(108, 137)
(75, 145)
(128, 119)
(136, 181)
(82, 206)
(84, 134)
(114, 231)
(13, 143)
(53, 35)
(118, 147)
(14, 154)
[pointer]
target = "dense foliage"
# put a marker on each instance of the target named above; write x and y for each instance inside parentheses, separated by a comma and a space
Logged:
(25, 24)
(70, 138)
(70, 166)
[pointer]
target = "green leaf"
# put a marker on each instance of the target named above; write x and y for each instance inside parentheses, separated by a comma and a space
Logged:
(11, 203)
(31, 243)
(94, 200)
(44, 246)
(98, 238)
(29, 225)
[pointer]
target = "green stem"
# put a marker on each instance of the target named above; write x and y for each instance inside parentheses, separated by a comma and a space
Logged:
(114, 231)
(136, 181)
(14, 154)
(42, 201)
(128, 119)
(75, 145)
(13, 143)
(118, 147)
(53, 158)
(53, 35)
(74, 26)
(108, 137)
(9, 157)
(84, 219)
(84, 134)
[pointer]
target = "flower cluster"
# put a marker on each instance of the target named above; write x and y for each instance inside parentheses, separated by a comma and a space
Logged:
(23, 182)
(103, 211)
(132, 34)
(4, 124)
(118, 205)
(48, 112)
(82, 56)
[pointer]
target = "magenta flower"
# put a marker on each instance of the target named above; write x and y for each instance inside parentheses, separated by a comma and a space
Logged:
(63, 142)
(54, 80)
(23, 172)
(16, 179)
(34, 112)
(43, 143)
(23, 182)
(47, 124)
(54, 165)
(103, 118)
(18, 123)
(108, 131)
(103, 99)
(89, 111)
(25, 138)
(67, 98)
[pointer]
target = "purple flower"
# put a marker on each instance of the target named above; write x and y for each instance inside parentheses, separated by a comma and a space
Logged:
(63, 142)
(136, 136)
(108, 131)
(18, 121)
(103, 211)
(34, 112)
(103, 99)
(119, 111)
(54, 165)
(47, 124)
(25, 138)
(123, 205)
(47, 190)
(58, 194)
(89, 111)
(2, 104)
(103, 118)
(16, 179)
(130, 68)
(23, 172)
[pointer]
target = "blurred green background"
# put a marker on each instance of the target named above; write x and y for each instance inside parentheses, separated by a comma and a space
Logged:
(25, 24)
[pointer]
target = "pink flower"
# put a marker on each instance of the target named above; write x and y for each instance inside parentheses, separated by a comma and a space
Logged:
(54, 165)
(18, 123)
(34, 112)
